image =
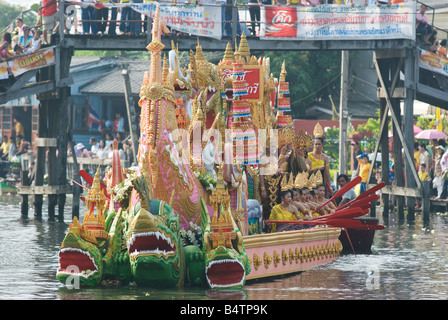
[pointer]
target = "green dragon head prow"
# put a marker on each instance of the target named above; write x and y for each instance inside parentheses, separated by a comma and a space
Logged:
(79, 258)
(226, 261)
(154, 246)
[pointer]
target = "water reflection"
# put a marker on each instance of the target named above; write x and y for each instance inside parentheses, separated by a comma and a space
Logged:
(408, 262)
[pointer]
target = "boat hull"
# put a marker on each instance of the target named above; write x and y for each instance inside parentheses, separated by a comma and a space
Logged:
(361, 240)
(282, 253)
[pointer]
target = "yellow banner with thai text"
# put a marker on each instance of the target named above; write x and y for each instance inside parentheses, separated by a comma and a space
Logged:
(431, 61)
(36, 60)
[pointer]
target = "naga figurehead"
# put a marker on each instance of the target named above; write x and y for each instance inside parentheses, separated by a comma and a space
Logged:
(226, 261)
(80, 253)
(154, 246)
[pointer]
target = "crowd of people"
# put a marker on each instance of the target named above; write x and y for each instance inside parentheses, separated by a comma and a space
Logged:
(124, 20)
(23, 40)
(432, 163)
(103, 148)
(427, 34)
(12, 148)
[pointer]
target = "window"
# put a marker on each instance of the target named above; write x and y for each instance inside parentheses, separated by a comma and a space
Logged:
(80, 115)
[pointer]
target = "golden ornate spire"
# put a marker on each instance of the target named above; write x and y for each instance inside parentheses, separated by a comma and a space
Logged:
(229, 57)
(193, 70)
(283, 72)
(244, 50)
(96, 198)
(222, 226)
(318, 131)
(156, 47)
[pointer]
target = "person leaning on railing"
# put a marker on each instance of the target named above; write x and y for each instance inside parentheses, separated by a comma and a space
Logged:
(423, 25)
(441, 52)
(49, 18)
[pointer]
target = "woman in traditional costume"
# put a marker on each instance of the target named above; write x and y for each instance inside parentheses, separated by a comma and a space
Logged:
(319, 160)
(320, 196)
(285, 211)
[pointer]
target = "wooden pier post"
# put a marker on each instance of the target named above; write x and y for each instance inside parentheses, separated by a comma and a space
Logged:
(426, 203)
(410, 84)
(24, 181)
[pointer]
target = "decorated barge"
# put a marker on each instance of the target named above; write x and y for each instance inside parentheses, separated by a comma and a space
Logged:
(202, 206)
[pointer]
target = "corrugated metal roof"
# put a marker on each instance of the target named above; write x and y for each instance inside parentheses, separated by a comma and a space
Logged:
(112, 83)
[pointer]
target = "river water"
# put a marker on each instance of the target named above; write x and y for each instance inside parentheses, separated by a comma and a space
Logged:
(409, 262)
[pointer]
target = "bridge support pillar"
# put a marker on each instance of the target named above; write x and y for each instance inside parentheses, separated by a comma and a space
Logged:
(389, 64)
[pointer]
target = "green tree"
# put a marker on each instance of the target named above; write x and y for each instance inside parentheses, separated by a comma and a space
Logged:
(8, 13)
(312, 76)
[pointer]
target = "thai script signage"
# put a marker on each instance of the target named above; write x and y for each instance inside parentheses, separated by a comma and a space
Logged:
(196, 20)
(22, 64)
(339, 22)
(431, 61)
(252, 76)
(193, 19)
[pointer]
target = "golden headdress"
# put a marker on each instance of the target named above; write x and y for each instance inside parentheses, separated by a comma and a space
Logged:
(318, 131)
(318, 177)
(302, 180)
(303, 140)
(285, 136)
(312, 181)
(287, 184)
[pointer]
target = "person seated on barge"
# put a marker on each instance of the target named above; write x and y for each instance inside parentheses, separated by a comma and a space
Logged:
(285, 211)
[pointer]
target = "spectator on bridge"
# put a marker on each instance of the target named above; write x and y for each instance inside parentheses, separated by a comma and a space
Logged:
(18, 51)
(19, 25)
(442, 50)
(88, 15)
(423, 26)
(126, 15)
(5, 46)
(102, 14)
(48, 17)
(113, 18)
(35, 42)
(254, 11)
(15, 37)
(26, 39)
(226, 28)
(136, 25)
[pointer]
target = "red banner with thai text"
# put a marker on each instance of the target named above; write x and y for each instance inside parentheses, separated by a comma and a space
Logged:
(281, 22)
(252, 76)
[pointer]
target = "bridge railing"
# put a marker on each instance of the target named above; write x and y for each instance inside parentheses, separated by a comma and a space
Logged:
(323, 21)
